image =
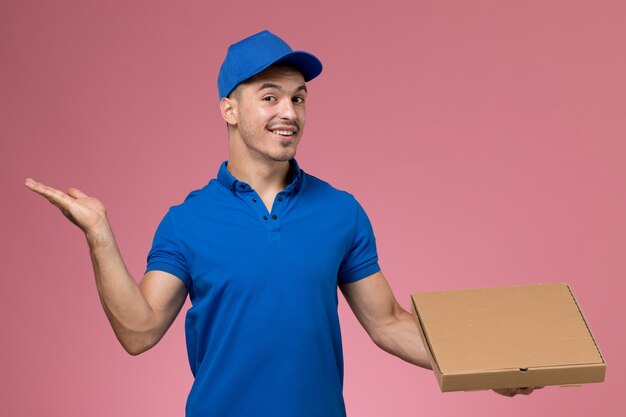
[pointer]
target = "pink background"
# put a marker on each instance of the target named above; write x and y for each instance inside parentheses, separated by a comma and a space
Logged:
(486, 140)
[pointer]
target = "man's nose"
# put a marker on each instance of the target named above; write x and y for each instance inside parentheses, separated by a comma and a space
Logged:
(287, 110)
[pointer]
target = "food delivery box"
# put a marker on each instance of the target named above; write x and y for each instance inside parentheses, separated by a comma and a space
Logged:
(507, 337)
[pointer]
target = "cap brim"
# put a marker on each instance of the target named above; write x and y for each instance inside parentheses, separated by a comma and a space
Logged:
(307, 63)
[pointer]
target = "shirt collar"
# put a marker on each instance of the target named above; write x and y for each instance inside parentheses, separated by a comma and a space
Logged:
(233, 184)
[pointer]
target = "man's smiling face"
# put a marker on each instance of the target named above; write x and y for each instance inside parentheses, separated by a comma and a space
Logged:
(270, 113)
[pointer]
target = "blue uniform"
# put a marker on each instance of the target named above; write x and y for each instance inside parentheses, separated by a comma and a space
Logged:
(263, 334)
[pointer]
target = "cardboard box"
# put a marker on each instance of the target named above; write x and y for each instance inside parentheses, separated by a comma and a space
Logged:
(507, 337)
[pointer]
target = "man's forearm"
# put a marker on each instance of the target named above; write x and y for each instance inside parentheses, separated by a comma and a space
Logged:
(391, 327)
(125, 306)
(400, 337)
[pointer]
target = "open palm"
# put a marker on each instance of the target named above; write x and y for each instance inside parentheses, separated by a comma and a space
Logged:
(84, 211)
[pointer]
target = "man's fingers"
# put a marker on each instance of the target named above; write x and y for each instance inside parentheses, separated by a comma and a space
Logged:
(526, 391)
(37, 186)
(507, 392)
(56, 197)
(32, 184)
(512, 392)
(82, 210)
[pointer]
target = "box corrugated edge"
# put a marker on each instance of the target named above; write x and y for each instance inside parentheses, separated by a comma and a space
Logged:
(536, 377)
(580, 310)
(433, 362)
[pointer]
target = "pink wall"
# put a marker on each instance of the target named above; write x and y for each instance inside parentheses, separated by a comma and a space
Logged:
(486, 140)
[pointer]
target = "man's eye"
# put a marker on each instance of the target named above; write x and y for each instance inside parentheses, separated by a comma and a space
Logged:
(269, 98)
(298, 99)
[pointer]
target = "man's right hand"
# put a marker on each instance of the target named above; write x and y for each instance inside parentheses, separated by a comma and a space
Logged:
(139, 314)
(86, 212)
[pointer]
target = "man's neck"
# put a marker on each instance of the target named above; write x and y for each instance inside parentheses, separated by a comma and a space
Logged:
(267, 178)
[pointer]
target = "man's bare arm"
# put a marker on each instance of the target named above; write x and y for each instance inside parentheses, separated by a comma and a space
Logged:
(139, 314)
(391, 327)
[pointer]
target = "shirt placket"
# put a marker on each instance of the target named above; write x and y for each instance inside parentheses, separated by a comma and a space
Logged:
(275, 217)
(270, 220)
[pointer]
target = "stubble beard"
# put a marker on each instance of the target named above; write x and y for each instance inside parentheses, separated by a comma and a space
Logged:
(287, 152)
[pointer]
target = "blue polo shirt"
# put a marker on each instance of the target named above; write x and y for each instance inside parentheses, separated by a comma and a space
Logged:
(263, 335)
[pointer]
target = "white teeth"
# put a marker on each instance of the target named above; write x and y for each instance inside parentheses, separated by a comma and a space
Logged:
(283, 132)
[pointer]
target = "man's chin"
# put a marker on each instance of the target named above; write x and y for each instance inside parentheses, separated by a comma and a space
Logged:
(284, 157)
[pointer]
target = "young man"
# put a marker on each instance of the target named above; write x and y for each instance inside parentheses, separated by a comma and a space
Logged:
(260, 250)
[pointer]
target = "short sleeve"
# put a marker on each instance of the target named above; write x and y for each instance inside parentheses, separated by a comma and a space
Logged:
(361, 260)
(168, 252)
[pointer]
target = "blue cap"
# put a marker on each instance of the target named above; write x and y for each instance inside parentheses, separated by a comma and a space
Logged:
(250, 56)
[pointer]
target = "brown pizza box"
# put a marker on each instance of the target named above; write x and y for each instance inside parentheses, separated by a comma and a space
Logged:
(507, 337)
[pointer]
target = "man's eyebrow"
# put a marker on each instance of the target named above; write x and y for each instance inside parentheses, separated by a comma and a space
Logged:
(263, 86)
(269, 85)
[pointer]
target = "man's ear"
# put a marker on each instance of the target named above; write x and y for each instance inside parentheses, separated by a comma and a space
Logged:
(228, 108)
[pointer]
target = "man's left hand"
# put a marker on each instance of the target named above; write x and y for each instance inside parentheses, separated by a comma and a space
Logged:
(512, 392)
